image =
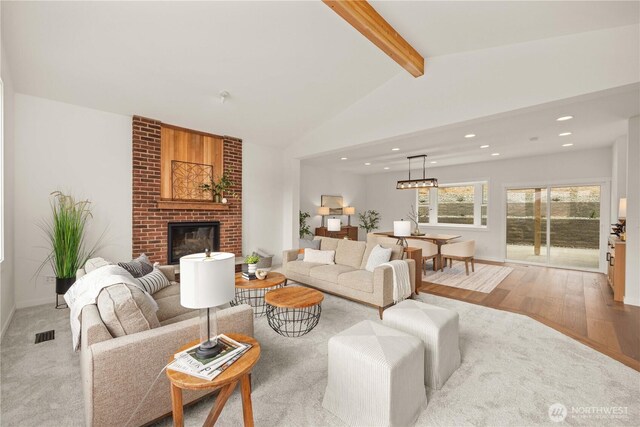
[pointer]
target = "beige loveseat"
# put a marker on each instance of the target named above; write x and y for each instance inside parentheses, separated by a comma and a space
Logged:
(118, 372)
(347, 277)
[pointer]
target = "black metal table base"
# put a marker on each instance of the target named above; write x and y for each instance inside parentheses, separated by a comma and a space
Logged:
(253, 297)
(293, 322)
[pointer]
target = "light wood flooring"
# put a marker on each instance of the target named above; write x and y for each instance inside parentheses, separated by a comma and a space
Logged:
(578, 304)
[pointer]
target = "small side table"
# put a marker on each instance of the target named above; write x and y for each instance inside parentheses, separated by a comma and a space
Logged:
(239, 371)
(293, 311)
(416, 255)
(252, 292)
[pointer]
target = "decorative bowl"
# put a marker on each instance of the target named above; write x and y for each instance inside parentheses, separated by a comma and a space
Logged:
(261, 274)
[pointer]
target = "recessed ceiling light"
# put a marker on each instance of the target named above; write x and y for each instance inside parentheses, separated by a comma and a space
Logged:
(484, 146)
(564, 134)
(495, 154)
(386, 168)
(567, 145)
(367, 164)
(343, 158)
(564, 118)
(433, 162)
(470, 135)
(395, 149)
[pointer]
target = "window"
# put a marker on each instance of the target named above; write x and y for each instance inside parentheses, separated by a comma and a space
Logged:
(454, 204)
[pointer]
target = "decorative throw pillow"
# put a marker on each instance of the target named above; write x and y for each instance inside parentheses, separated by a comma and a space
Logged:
(138, 267)
(306, 243)
(321, 257)
(154, 281)
(378, 255)
(126, 309)
(94, 264)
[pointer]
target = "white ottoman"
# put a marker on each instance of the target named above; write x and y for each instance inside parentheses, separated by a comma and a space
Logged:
(375, 376)
(437, 327)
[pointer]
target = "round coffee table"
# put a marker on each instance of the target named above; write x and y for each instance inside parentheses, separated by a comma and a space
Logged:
(238, 372)
(293, 311)
(252, 292)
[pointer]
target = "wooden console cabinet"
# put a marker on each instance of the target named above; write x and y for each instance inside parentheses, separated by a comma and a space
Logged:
(347, 231)
(615, 271)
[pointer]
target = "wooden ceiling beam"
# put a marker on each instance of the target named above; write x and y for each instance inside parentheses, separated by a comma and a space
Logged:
(364, 18)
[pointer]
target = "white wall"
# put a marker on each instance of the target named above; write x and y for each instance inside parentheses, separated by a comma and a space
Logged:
(574, 166)
(79, 151)
(7, 294)
(618, 174)
(316, 181)
(632, 270)
(262, 207)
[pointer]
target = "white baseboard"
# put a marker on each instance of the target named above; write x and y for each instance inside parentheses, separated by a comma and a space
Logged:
(632, 301)
(8, 322)
(37, 301)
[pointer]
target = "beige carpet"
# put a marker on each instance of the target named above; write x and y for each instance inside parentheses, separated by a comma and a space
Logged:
(513, 368)
(484, 279)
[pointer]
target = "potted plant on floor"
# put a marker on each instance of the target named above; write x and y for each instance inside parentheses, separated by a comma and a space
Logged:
(217, 188)
(305, 229)
(65, 232)
(369, 220)
(252, 263)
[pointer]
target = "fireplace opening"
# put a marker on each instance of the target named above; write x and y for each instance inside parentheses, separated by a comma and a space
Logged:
(186, 238)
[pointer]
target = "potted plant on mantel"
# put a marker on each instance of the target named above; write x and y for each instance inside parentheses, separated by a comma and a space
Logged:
(217, 188)
(65, 231)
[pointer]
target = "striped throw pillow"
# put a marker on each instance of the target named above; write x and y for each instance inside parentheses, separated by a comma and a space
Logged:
(154, 281)
(138, 267)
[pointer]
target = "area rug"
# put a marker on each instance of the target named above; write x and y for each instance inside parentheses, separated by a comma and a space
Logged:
(513, 370)
(485, 278)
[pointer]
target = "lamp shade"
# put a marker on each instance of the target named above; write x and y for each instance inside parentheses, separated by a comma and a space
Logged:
(622, 208)
(333, 224)
(401, 228)
(207, 282)
(348, 210)
(323, 210)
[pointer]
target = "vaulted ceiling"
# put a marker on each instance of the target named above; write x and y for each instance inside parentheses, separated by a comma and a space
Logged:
(288, 66)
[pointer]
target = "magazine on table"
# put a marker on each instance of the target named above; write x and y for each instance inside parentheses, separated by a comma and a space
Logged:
(208, 368)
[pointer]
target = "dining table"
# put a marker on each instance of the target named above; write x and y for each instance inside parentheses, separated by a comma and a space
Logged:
(437, 238)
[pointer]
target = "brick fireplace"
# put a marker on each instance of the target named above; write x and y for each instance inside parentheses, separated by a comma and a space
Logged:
(151, 219)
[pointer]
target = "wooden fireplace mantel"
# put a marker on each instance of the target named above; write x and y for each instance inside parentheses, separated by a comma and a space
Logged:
(191, 205)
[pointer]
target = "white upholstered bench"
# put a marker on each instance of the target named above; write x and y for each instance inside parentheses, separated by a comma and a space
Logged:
(375, 376)
(437, 327)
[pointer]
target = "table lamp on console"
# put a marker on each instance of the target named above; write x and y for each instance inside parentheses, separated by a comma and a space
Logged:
(206, 282)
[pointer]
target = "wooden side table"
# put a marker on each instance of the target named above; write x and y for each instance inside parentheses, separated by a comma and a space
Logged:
(416, 255)
(239, 371)
(252, 292)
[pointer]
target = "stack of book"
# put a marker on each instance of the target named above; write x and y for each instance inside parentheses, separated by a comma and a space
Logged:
(247, 276)
(189, 363)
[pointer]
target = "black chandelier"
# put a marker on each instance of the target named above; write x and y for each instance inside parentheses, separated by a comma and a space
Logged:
(409, 184)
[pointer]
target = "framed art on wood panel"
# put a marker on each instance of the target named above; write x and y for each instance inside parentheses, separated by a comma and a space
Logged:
(334, 203)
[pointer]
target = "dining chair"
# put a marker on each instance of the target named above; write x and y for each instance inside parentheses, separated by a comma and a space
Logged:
(459, 251)
(429, 251)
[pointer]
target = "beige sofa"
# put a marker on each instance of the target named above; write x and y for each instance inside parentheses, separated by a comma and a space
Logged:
(347, 277)
(118, 372)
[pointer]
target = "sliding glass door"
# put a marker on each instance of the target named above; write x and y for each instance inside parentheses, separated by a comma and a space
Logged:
(557, 226)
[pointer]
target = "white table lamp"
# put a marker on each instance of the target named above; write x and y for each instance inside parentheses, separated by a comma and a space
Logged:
(323, 211)
(622, 208)
(333, 224)
(402, 230)
(348, 211)
(207, 282)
